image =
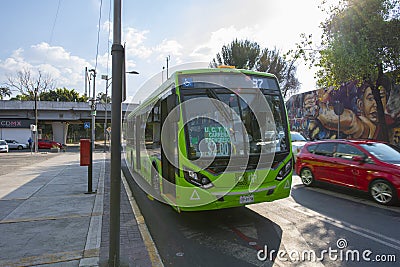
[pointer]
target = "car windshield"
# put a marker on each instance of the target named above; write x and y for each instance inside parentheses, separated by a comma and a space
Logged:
(208, 137)
(383, 152)
(297, 137)
(3, 143)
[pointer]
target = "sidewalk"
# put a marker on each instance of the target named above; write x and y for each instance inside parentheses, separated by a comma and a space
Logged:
(46, 219)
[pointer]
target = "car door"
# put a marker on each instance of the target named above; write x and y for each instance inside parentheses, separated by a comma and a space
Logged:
(322, 162)
(348, 170)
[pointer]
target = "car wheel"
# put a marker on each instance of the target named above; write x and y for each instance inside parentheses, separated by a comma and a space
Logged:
(307, 178)
(382, 192)
(20, 147)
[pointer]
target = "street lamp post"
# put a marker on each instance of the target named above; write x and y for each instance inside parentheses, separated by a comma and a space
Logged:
(92, 133)
(36, 121)
(93, 108)
(105, 77)
(117, 52)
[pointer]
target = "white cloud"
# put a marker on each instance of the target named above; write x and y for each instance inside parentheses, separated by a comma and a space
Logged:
(223, 36)
(65, 69)
(169, 47)
(135, 43)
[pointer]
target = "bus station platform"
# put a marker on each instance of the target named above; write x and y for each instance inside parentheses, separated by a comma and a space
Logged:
(48, 217)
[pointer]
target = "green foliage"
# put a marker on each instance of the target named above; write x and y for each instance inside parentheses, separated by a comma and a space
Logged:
(59, 94)
(4, 92)
(248, 55)
(360, 41)
(241, 54)
(103, 98)
(62, 95)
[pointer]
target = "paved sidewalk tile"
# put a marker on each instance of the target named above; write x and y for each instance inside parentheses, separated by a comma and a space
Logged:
(46, 218)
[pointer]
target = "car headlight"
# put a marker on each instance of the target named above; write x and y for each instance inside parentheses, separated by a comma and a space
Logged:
(284, 171)
(198, 179)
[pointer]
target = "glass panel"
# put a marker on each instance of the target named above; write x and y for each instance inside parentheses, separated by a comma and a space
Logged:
(249, 126)
(382, 152)
(325, 149)
(347, 151)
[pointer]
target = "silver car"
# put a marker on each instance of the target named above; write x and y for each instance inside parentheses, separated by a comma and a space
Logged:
(298, 141)
(3, 146)
(13, 144)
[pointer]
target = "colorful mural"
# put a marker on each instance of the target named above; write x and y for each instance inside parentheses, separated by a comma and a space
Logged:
(313, 113)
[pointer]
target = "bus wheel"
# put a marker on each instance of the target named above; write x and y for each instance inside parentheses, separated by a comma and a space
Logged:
(307, 178)
(155, 179)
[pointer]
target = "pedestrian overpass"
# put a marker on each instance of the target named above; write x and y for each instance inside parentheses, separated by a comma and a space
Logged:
(58, 114)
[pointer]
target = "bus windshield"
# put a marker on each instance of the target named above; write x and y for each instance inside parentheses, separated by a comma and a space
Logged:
(232, 124)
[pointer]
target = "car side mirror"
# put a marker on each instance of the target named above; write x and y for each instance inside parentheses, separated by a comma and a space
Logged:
(358, 159)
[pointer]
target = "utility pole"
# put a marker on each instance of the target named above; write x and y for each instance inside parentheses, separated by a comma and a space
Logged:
(117, 52)
(93, 108)
(92, 133)
(36, 120)
(105, 77)
(86, 81)
(168, 59)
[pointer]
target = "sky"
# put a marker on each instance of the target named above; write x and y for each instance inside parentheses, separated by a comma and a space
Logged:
(62, 37)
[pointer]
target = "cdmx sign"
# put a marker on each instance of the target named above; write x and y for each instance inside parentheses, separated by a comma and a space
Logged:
(15, 123)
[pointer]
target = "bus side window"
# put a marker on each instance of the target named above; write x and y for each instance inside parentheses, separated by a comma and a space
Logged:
(153, 128)
(156, 125)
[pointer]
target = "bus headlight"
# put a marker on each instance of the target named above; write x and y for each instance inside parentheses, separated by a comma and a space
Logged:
(284, 171)
(198, 179)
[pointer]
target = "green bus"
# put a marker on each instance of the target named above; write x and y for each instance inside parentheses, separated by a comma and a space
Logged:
(211, 139)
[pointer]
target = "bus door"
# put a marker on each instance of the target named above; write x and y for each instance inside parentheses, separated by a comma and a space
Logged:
(170, 148)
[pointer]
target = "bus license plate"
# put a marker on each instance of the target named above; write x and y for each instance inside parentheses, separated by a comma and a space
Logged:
(246, 199)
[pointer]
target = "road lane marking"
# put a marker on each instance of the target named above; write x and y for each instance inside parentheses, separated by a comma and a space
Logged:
(291, 238)
(377, 237)
(368, 202)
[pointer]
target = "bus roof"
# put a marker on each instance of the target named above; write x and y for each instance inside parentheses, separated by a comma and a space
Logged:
(222, 70)
(173, 78)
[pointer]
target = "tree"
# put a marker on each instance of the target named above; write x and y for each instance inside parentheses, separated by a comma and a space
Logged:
(59, 94)
(271, 62)
(63, 95)
(102, 97)
(29, 85)
(360, 42)
(241, 54)
(4, 92)
(248, 55)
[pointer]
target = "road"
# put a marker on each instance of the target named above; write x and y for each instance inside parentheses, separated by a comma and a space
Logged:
(321, 226)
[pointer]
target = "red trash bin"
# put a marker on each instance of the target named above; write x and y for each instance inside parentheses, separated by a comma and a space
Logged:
(85, 152)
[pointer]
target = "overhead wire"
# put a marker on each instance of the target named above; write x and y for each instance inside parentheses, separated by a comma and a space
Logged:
(108, 37)
(54, 22)
(52, 33)
(98, 35)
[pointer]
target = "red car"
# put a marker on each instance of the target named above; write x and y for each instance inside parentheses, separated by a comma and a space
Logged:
(43, 143)
(370, 166)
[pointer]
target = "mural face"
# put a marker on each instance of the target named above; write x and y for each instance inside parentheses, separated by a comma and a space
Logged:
(313, 113)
